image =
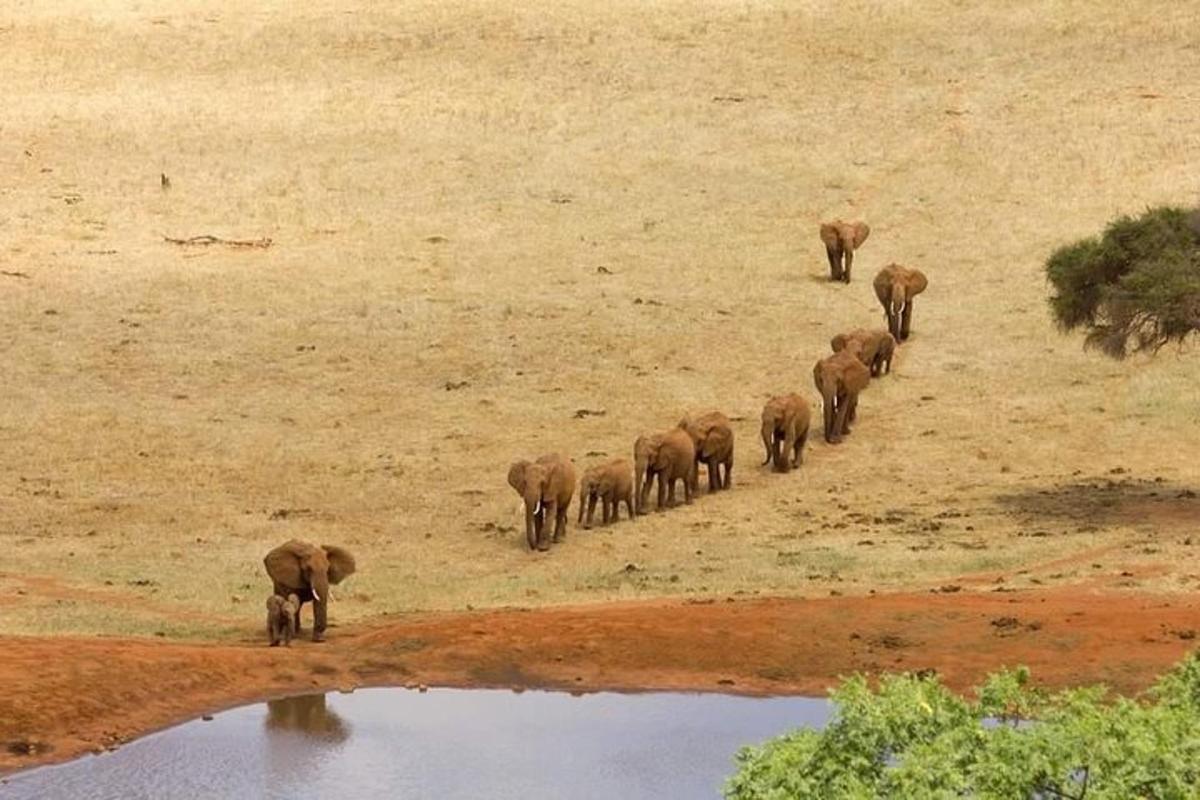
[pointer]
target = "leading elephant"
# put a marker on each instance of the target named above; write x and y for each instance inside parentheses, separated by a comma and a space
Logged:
(839, 379)
(547, 486)
(896, 286)
(308, 570)
(841, 240)
(712, 436)
(668, 456)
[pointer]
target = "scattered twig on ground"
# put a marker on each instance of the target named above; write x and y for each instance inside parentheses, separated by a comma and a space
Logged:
(207, 239)
(14, 274)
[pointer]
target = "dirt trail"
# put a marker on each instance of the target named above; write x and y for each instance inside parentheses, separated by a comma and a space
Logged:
(68, 696)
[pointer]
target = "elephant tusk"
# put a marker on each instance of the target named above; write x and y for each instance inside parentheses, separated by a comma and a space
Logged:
(537, 509)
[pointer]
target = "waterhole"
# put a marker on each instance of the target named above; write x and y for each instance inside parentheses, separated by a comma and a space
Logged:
(450, 744)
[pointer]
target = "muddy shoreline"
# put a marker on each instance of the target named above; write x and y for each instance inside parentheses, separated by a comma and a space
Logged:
(68, 696)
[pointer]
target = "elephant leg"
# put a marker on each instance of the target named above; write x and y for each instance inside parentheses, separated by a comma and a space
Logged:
(319, 620)
(687, 494)
(728, 472)
(662, 491)
(560, 519)
(851, 404)
(539, 523)
(606, 508)
(839, 421)
(629, 505)
(591, 509)
(835, 263)
(830, 409)
(906, 320)
(849, 251)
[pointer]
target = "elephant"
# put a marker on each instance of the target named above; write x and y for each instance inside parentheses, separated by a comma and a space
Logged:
(896, 286)
(547, 486)
(839, 379)
(669, 456)
(841, 240)
(307, 570)
(712, 436)
(282, 614)
(785, 423)
(611, 483)
(874, 348)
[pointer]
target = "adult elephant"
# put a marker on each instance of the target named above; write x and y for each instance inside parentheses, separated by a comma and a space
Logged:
(712, 436)
(874, 348)
(841, 240)
(668, 456)
(307, 570)
(547, 486)
(839, 379)
(785, 422)
(896, 286)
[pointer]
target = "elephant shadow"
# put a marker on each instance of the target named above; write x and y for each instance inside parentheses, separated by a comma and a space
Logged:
(309, 715)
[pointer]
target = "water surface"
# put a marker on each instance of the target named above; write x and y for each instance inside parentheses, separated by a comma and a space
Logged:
(448, 744)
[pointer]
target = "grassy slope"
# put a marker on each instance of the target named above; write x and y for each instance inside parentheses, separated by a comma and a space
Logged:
(175, 399)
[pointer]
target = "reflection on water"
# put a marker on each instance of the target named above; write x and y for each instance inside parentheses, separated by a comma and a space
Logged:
(308, 713)
(449, 744)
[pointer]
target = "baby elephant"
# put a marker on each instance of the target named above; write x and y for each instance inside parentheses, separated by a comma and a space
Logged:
(874, 348)
(282, 618)
(612, 484)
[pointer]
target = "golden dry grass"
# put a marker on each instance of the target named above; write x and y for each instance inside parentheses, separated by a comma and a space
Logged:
(443, 184)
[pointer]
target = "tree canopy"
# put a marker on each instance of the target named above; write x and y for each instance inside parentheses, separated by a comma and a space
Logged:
(1136, 287)
(913, 738)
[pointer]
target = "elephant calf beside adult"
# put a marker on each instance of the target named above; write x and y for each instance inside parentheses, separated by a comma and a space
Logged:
(308, 570)
(610, 483)
(874, 348)
(896, 286)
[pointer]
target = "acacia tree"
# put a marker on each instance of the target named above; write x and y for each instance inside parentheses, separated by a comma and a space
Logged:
(1136, 287)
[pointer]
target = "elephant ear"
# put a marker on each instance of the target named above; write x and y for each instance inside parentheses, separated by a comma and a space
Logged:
(829, 235)
(341, 562)
(859, 232)
(516, 476)
(285, 563)
(838, 342)
(916, 282)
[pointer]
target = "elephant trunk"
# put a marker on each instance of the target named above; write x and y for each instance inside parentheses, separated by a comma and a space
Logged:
(768, 431)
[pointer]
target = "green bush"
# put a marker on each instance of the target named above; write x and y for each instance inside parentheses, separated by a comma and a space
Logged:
(1138, 285)
(912, 738)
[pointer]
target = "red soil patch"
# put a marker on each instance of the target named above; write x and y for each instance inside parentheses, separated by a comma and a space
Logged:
(66, 696)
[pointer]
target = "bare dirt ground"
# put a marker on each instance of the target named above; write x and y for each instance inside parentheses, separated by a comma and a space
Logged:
(495, 233)
(117, 689)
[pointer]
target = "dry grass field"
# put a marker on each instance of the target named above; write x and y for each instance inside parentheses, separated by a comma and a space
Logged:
(486, 220)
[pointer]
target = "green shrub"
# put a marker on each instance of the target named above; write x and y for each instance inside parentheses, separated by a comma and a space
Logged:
(1138, 285)
(913, 738)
